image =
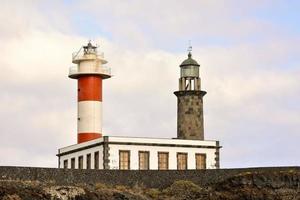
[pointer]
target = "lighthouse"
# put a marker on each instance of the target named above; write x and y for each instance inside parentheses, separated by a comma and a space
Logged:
(189, 151)
(90, 71)
(190, 101)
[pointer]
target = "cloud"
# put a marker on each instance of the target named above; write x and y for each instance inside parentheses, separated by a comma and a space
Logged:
(253, 91)
(158, 24)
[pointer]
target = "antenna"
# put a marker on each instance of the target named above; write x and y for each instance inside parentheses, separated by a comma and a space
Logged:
(190, 48)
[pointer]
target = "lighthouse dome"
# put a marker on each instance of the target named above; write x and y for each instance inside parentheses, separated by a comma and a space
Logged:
(189, 67)
(189, 61)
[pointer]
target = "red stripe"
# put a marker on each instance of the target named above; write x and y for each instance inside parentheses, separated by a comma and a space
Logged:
(90, 88)
(84, 137)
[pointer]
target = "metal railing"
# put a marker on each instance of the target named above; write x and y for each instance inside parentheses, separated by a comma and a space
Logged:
(94, 70)
(80, 53)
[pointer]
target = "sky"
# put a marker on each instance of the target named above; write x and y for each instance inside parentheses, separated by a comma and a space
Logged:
(248, 50)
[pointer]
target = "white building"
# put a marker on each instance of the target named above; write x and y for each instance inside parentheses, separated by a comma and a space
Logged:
(94, 151)
(140, 153)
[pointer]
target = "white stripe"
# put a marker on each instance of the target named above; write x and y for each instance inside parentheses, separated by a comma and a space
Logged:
(89, 117)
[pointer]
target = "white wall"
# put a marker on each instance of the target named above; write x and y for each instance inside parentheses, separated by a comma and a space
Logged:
(153, 150)
(123, 143)
(83, 153)
(162, 141)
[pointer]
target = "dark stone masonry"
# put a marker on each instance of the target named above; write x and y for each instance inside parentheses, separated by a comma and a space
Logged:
(190, 114)
(147, 178)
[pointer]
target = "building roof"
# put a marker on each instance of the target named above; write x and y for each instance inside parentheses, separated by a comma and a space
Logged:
(189, 61)
(140, 141)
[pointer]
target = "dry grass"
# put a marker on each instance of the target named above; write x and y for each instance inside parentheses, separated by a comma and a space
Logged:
(178, 190)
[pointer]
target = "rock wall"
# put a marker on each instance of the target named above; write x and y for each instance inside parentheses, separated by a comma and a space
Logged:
(147, 178)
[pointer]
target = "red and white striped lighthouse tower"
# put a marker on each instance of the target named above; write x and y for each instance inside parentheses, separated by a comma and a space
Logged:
(89, 72)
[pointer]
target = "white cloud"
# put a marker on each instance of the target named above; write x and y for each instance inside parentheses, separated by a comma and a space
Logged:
(252, 87)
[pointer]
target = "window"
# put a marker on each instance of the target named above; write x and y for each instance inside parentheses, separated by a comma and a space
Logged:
(200, 161)
(193, 84)
(73, 163)
(163, 160)
(96, 159)
(143, 160)
(181, 161)
(88, 161)
(124, 160)
(80, 162)
(65, 164)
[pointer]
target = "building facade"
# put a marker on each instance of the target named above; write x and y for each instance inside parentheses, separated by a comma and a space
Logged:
(130, 153)
(94, 151)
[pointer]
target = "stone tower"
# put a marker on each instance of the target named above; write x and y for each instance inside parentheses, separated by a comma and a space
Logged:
(190, 101)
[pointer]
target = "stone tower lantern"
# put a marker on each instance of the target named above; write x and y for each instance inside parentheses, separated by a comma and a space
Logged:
(190, 101)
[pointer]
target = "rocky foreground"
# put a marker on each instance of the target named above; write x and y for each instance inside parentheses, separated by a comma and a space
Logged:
(283, 185)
